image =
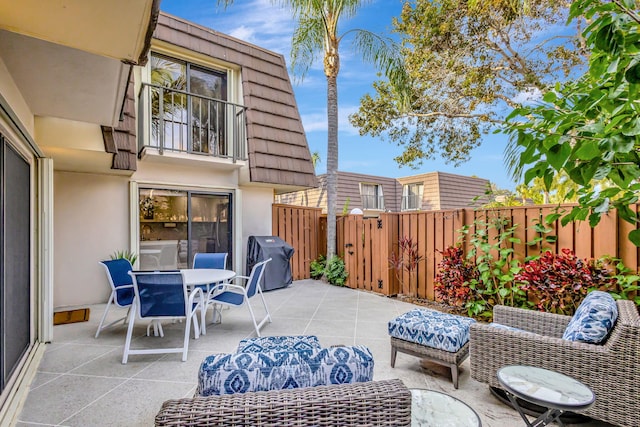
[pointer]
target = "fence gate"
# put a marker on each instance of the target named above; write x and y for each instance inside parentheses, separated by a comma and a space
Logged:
(365, 245)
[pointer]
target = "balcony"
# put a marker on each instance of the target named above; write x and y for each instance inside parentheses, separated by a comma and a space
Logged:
(412, 202)
(176, 121)
(372, 202)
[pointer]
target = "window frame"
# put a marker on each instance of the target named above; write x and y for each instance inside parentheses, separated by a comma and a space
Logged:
(378, 196)
(405, 196)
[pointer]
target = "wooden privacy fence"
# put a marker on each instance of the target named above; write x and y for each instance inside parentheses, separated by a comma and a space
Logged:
(300, 227)
(367, 244)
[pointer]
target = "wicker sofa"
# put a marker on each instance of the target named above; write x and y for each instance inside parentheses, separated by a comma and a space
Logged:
(611, 370)
(373, 403)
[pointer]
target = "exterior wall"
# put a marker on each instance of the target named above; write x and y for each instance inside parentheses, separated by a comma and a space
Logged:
(313, 197)
(349, 188)
(348, 192)
(255, 214)
(91, 221)
(457, 191)
(14, 98)
(446, 190)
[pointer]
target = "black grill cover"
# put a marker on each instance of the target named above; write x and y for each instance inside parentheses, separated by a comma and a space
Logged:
(277, 273)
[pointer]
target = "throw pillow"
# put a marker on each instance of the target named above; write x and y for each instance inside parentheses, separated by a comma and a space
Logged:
(593, 320)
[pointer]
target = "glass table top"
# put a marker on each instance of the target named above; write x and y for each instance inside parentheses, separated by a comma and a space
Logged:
(547, 388)
(430, 408)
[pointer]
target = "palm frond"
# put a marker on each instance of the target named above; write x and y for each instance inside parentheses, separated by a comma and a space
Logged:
(306, 43)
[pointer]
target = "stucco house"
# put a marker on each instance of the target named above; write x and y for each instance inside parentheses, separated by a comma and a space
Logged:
(123, 128)
(374, 194)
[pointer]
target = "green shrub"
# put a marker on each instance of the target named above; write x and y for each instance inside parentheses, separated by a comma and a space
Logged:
(317, 267)
(336, 271)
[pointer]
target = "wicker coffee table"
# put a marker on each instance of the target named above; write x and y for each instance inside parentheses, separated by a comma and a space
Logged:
(557, 392)
(430, 408)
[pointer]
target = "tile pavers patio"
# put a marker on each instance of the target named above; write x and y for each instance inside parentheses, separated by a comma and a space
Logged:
(81, 381)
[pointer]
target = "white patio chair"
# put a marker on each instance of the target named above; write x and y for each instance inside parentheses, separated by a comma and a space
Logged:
(228, 294)
(158, 296)
(121, 289)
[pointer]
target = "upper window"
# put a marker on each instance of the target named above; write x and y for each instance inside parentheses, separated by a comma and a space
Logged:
(371, 195)
(189, 111)
(412, 196)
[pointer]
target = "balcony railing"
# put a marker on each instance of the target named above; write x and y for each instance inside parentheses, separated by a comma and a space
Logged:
(411, 202)
(179, 121)
(372, 202)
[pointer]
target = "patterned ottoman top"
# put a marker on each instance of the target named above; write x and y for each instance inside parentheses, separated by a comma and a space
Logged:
(279, 343)
(448, 332)
(244, 372)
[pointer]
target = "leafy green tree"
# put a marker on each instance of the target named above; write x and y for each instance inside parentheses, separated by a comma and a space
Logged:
(561, 190)
(467, 63)
(317, 33)
(589, 128)
(315, 158)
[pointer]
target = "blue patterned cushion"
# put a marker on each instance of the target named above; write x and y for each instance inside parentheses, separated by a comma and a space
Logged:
(431, 328)
(281, 343)
(244, 372)
(593, 320)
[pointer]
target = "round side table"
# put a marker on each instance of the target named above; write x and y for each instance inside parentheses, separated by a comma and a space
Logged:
(430, 408)
(555, 391)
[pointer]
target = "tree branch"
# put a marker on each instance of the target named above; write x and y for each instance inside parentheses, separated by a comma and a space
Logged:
(483, 117)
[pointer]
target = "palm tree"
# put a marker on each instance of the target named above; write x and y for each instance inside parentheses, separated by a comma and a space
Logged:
(317, 32)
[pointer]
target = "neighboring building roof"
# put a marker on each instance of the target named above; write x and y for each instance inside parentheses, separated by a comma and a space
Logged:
(444, 190)
(277, 145)
(441, 191)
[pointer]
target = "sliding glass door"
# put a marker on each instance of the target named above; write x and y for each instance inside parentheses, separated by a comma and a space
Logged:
(175, 225)
(15, 258)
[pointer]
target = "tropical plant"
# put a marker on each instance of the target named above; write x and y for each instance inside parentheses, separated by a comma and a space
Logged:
(467, 63)
(495, 264)
(627, 283)
(455, 272)
(589, 127)
(336, 272)
(317, 267)
(125, 254)
(557, 283)
(317, 32)
(407, 259)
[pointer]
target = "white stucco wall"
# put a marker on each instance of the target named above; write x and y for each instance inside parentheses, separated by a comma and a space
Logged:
(91, 221)
(12, 95)
(255, 214)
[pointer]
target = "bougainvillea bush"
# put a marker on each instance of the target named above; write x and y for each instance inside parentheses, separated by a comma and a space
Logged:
(452, 280)
(557, 283)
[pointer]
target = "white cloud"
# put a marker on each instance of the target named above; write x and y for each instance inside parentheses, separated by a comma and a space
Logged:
(317, 121)
(258, 22)
(528, 96)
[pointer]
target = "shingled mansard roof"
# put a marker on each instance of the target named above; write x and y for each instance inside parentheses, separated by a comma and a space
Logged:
(277, 146)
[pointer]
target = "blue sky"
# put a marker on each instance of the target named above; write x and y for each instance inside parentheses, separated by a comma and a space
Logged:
(261, 23)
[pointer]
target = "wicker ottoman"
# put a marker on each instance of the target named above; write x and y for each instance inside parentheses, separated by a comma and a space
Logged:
(439, 337)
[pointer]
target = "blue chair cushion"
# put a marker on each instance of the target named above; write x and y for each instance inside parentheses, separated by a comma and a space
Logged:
(448, 332)
(245, 372)
(593, 319)
(279, 343)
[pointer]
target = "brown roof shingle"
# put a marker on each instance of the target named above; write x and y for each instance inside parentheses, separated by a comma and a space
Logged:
(277, 146)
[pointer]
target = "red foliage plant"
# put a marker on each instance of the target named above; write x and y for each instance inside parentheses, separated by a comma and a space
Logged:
(452, 280)
(558, 282)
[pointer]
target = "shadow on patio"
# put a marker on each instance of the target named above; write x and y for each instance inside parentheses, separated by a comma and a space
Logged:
(81, 381)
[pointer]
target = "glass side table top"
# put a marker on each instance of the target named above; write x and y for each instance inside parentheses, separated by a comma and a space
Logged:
(430, 408)
(546, 388)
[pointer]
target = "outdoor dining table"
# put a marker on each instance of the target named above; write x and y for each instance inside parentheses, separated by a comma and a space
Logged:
(208, 277)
